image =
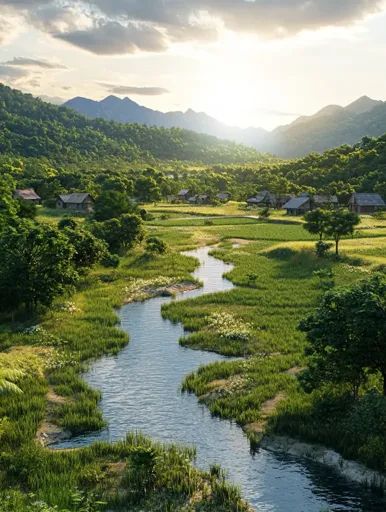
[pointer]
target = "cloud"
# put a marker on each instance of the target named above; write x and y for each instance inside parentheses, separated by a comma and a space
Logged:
(11, 74)
(27, 62)
(268, 17)
(129, 89)
(106, 27)
(113, 38)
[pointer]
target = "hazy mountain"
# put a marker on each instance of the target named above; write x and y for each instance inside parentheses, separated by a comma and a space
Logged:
(31, 127)
(330, 127)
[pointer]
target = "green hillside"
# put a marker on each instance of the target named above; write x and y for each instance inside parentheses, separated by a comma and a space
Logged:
(31, 127)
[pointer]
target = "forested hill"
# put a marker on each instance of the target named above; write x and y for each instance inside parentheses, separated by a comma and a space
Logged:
(31, 127)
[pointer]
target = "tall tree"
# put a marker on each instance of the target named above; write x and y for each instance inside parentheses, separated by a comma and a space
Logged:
(341, 223)
(9, 207)
(36, 265)
(316, 222)
(347, 334)
(111, 204)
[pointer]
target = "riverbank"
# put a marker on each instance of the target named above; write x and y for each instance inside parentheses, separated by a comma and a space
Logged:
(277, 285)
(56, 402)
(348, 469)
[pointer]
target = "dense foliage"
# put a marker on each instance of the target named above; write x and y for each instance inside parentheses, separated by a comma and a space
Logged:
(31, 127)
(347, 335)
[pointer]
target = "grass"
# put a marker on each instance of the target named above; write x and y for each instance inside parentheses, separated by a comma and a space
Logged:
(275, 287)
(231, 208)
(134, 473)
(52, 357)
(274, 291)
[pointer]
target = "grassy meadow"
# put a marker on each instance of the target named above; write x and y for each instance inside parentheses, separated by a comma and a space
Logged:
(275, 287)
(50, 357)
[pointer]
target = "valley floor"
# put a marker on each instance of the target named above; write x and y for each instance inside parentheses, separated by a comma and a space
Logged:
(276, 287)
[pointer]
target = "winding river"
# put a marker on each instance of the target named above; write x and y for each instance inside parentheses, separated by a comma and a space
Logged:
(141, 392)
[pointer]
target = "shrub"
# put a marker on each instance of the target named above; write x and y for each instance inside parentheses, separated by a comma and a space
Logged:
(111, 260)
(322, 248)
(155, 245)
(265, 213)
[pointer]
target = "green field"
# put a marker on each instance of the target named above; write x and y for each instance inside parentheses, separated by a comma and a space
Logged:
(274, 265)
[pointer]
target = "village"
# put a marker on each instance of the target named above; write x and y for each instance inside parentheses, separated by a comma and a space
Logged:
(360, 203)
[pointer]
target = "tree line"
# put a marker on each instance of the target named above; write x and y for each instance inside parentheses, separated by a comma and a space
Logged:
(39, 261)
(32, 128)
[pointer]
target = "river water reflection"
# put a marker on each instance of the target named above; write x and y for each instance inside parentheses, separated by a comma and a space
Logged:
(141, 392)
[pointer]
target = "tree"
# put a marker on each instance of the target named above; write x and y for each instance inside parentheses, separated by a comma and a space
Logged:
(146, 189)
(120, 234)
(155, 245)
(111, 204)
(341, 223)
(9, 207)
(316, 222)
(27, 209)
(88, 249)
(36, 265)
(347, 334)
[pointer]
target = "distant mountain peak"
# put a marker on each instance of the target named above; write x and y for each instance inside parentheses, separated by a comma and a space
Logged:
(362, 105)
(331, 126)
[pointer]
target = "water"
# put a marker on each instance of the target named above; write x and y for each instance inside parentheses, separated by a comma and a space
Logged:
(141, 392)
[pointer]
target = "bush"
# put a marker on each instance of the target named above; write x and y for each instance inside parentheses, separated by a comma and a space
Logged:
(265, 213)
(155, 245)
(322, 248)
(50, 203)
(67, 222)
(111, 261)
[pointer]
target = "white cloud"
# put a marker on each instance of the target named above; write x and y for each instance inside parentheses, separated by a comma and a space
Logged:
(106, 27)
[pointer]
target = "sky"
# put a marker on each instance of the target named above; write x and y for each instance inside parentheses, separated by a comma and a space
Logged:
(245, 62)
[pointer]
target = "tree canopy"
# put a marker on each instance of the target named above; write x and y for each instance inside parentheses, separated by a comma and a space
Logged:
(347, 334)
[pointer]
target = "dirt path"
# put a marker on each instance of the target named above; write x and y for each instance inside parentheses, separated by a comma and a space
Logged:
(267, 409)
(48, 432)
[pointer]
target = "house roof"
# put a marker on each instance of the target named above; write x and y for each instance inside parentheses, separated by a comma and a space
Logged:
(368, 199)
(183, 192)
(75, 198)
(295, 203)
(326, 199)
(256, 199)
(27, 194)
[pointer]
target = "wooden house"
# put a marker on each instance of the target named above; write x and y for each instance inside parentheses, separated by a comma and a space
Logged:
(325, 202)
(298, 205)
(262, 199)
(224, 197)
(183, 195)
(77, 202)
(199, 199)
(366, 203)
(282, 199)
(27, 194)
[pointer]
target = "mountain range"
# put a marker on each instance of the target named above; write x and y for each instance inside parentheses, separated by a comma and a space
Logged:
(330, 127)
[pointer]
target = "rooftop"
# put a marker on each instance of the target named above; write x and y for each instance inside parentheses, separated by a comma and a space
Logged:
(296, 202)
(363, 199)
(75, 198)
(27, 194)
